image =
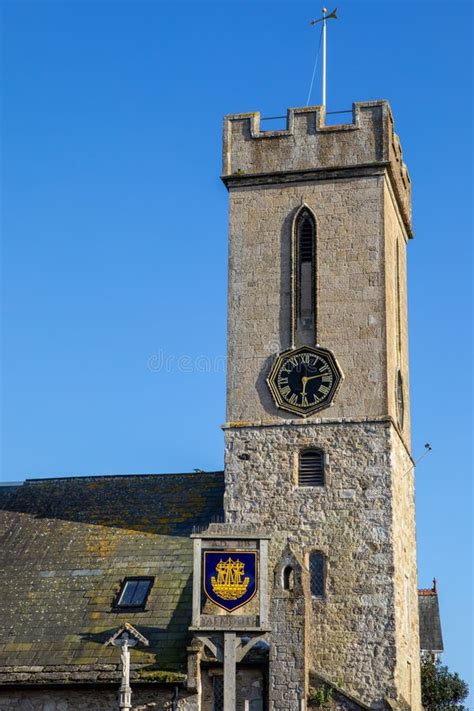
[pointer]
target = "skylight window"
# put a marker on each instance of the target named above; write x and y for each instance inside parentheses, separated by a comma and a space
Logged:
(134, 592)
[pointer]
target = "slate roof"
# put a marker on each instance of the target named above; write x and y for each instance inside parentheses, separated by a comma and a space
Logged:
(431, 638)
(65, 547)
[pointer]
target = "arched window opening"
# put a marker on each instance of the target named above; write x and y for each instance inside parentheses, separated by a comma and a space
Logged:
(305, 279)
(311, 468)
(317, 574)
(288, 578)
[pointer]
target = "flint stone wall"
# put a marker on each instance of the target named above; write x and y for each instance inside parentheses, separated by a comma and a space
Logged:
(352, 632)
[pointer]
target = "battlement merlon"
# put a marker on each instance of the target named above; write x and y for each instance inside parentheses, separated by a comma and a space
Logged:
(309, 150)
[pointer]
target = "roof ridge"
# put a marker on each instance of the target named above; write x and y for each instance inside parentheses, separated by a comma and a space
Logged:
(117, 476)
(429, 591)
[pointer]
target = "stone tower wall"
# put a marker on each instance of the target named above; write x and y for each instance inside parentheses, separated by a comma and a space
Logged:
(308, 145)
(352, 635)
(350, 292)
(363, 636)
(395, 267)
(405, 573)
(354, 180)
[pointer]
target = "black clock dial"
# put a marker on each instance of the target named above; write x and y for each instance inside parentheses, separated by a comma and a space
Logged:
(304, 380)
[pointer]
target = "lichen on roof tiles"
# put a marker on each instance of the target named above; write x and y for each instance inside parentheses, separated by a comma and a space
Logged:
(68, 544)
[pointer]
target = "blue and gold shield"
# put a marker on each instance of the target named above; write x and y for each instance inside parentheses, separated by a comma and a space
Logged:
(230, 578)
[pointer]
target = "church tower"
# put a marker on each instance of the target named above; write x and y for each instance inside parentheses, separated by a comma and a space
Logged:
(318, 417)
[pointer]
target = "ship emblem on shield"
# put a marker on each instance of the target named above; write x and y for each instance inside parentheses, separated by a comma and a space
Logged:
(230, 577)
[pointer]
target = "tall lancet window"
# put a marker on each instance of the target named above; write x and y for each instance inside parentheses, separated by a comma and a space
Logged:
(304, 278)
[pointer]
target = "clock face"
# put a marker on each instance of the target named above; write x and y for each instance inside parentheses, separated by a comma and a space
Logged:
(304, 380)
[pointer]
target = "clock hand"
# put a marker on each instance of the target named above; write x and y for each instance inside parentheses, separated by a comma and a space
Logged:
(312, 377)
(305, 380)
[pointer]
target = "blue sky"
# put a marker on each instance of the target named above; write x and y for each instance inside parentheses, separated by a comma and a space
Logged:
(115, 228)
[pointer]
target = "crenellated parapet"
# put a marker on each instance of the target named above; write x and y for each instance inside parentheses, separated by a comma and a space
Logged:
(308, 149)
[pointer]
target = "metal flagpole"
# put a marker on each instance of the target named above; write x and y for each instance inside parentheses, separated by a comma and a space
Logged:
(324, 59)
(332, 16)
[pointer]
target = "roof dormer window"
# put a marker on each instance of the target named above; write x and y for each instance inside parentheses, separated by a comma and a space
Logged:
(134, 593)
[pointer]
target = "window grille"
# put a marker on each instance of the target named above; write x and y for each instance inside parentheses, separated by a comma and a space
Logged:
(317, 574)
(311, 468)
(218, 686)
(134, 592)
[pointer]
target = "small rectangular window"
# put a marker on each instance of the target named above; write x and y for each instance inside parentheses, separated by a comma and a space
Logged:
(317, 574)
(134, 592)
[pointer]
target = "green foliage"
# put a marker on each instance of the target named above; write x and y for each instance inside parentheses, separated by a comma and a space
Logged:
(320, 696)
(442, 690)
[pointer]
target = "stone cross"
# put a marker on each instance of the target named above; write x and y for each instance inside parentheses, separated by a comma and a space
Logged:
(125, 638)
(125, 691)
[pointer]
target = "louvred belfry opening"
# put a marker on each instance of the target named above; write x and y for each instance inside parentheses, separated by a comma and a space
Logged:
(311, 468)
(306, 240)
(305, 274)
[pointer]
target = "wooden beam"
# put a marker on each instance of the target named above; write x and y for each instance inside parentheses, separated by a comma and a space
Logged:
(197, 582)
(229, 670)
(264, 608)
(243, 649)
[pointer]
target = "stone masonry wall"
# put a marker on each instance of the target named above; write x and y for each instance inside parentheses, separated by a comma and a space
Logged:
(406, 601)
(350, 292)
(89, 699)
(308, 144)
(352, 636)
(395, 271)
(363, 635)
(289, 660)
(407, 632)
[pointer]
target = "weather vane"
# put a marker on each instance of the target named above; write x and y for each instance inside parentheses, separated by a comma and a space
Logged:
(332, 16)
